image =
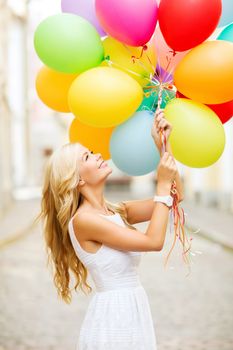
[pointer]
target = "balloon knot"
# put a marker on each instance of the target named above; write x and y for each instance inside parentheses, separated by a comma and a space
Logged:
(173, 52)
(133, 58)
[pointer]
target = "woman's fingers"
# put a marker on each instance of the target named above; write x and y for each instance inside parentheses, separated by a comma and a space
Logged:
(162, 124)
(168, 159)
(158, 113)
(158, 123)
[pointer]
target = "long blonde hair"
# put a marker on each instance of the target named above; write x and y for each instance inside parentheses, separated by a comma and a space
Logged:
(60, 201)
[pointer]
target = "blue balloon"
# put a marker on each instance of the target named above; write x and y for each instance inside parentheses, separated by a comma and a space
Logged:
(227, 33)
(227, 13)
(132, 147)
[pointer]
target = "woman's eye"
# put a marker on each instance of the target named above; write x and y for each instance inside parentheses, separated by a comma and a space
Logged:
(88, 156)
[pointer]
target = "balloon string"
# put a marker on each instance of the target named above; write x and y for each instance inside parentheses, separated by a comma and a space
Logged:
(143, 51)
(169, 60)
(139, 61)
(110, 63)
(168, 69)
(134, 58)
(178, 219)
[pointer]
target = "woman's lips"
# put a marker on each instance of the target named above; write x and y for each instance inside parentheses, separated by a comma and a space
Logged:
(104, 164)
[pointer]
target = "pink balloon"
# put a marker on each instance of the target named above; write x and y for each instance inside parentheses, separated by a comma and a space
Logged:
(130, 21)
(83, 8)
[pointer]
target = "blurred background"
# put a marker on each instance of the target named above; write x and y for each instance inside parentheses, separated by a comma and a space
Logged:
(193, 312)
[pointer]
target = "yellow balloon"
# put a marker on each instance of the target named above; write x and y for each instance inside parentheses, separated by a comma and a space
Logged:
(52, 88)
(96, 139)
(205, 74)
(132, 60)
(104, 97)
(197, 138)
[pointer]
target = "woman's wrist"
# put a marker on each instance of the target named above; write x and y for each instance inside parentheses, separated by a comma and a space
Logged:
(163, 189)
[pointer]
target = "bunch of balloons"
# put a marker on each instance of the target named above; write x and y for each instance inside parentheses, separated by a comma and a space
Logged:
(107, 61)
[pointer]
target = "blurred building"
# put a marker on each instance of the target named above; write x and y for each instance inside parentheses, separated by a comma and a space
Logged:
(29, 131)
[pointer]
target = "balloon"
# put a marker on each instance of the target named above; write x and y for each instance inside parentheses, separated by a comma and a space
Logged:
(205, 74)
(150, 101)
(166, 58)
(197, 138)
(227, 13)
(104, 97)
(131, 22)
(223, 110)
(132, 147)
(83, 8)
(52, 88)
(96, 139)
(187, 23)
(68, 43)
(227, 33)
(122, 56)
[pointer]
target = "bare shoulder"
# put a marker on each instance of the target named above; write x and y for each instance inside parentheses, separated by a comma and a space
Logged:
(91, 226)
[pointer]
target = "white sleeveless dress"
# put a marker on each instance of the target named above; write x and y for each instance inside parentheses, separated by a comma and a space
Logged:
(118, 316)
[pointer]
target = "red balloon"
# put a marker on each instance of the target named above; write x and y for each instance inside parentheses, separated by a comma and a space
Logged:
(187, 23)
(223, 110)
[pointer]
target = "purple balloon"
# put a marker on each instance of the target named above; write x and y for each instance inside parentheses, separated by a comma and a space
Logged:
(166, 77)
(85, 9)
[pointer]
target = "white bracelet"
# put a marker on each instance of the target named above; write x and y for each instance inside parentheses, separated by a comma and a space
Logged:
(167, 200)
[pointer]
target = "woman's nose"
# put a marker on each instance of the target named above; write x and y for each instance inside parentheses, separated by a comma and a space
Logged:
(98, 156)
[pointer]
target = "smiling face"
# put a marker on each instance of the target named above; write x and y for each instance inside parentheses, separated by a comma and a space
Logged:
(92, 168)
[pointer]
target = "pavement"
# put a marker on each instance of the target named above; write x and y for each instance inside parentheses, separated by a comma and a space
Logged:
(213, 223)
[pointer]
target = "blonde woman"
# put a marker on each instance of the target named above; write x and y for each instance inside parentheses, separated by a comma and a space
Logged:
(86, 234)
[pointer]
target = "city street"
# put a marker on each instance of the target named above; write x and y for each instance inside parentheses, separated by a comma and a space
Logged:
(193, 312)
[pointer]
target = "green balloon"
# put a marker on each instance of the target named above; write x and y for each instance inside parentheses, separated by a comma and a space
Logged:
(150, 101)
(68, 43)
(227, 33)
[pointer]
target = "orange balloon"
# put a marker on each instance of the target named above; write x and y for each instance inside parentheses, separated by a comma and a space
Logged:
(166, 59)
(52, 88)
(205, 74)
(96, 139)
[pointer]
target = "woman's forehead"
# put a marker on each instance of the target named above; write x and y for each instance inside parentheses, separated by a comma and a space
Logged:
(84, 149)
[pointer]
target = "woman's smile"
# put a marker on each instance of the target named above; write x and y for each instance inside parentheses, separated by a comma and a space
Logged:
(103, 165)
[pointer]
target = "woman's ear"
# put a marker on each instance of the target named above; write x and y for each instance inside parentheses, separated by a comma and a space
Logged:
(81, 182)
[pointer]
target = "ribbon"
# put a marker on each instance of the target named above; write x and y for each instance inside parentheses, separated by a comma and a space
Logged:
(177, 213)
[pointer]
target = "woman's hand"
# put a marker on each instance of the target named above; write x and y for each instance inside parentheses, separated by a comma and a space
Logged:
(163, 124)
(166, 172)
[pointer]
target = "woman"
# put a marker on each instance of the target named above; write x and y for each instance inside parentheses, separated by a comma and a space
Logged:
(86, 233)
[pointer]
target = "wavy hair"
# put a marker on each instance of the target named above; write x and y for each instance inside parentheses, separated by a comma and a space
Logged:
(60, 200)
